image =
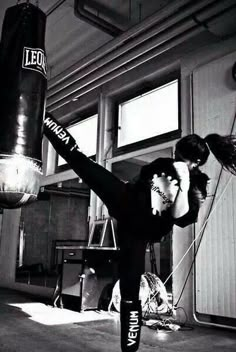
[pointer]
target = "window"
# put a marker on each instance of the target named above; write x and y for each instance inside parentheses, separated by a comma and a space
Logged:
(149, 115)
(85, 133)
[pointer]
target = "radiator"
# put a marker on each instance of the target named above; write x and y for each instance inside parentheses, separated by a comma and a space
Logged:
(215, 265)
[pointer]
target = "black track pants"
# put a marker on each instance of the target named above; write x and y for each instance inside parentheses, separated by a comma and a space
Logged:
(111, 191)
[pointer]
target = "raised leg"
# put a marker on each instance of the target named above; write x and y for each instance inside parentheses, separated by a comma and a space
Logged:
(108, 187)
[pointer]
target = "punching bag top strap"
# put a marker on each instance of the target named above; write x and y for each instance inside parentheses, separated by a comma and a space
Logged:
(27, 5)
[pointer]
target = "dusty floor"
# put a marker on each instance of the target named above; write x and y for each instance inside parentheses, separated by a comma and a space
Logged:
(32, 326)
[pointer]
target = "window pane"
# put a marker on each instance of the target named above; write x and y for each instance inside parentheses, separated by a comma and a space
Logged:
(85, 133)
(148, 115)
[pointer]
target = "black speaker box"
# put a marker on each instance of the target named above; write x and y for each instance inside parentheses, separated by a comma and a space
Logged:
(72, 284)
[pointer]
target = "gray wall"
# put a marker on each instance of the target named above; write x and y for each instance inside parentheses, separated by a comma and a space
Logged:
(59, 218)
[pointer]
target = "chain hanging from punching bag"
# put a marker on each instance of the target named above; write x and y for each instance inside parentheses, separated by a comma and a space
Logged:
(23, 87)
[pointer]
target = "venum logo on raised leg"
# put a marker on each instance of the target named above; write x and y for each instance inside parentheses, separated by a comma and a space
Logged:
(58, 130)
(34, 59)
(61, 133)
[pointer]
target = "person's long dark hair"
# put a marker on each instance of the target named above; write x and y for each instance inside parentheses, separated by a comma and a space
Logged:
(197, 149)
(224, 150)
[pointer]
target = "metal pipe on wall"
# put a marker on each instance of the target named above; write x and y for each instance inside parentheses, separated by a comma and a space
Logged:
(129, 66)
(187, 29)
(115, 43)
(84, 80)
(158, 28)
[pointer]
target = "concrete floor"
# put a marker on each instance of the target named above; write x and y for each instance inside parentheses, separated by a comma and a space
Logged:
(33, 326)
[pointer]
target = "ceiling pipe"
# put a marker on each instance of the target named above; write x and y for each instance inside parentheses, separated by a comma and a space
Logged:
(96, 21)
(186, 29)
(120, 63)
(142, 38)
(129, 66)
(115, 43)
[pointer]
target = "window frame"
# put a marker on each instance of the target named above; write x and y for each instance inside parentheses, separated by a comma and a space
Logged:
(145, 88)
(66, 166)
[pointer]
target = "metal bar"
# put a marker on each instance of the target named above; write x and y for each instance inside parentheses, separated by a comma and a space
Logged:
(125, 68)
(119, 66)
(128, 43)
(86, 78)
(117, 42)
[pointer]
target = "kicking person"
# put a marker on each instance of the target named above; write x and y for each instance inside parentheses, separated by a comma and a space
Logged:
(165, 194)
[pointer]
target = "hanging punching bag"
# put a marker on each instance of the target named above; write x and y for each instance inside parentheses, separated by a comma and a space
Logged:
(22, 103)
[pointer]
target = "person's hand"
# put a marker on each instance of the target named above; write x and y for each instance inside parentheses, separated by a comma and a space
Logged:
(183, 175)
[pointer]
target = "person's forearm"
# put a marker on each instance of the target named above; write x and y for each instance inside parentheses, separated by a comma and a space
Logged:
(181, 204)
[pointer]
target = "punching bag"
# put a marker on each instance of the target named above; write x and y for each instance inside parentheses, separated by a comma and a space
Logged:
(23, 86)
